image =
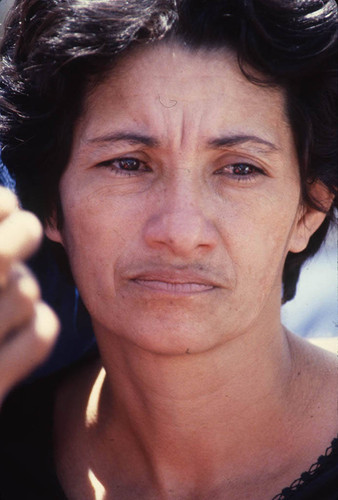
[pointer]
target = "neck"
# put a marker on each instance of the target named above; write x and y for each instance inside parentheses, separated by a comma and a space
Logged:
(195, 408)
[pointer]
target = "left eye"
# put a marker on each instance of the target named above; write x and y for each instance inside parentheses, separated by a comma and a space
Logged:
(240, 170)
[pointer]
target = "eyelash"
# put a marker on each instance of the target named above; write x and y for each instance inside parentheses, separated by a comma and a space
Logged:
(239, 177)
(124, 171)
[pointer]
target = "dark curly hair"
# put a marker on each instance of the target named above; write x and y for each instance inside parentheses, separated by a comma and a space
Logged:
(53, 49)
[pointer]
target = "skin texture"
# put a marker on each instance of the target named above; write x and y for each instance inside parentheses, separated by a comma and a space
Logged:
(28, 327)
(177, 226)
(184, 211)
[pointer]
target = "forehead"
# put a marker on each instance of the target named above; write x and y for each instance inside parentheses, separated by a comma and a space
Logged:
(164, 87)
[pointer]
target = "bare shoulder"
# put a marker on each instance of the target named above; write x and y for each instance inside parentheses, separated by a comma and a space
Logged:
(315, 364)
(316, 383)
(319, 356)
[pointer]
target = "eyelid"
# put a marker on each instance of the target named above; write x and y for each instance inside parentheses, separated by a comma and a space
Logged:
(114, 169)
(110, 161)
(257, 169)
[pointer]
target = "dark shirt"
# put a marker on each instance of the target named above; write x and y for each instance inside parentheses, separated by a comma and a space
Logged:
(26, 442)
(27, 469)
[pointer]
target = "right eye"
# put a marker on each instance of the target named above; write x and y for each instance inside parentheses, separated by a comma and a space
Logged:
(125, 166)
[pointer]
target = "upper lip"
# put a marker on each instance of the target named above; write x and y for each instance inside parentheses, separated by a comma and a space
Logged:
(176, 276)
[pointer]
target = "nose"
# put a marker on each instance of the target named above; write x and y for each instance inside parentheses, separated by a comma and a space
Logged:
(178, 224)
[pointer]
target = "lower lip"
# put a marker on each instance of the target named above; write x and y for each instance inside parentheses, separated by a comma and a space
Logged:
(174, 288)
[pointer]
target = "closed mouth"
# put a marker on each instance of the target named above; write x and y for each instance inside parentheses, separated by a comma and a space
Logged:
(169, 286)
(173, 280)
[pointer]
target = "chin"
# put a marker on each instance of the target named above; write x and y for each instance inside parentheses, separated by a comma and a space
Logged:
(171, 339)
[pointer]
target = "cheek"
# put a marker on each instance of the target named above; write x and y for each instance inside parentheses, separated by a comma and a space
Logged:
(258, 235)
(99, 230)
(97, 219)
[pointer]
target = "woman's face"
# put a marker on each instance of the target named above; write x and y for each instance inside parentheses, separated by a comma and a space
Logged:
(181, 200)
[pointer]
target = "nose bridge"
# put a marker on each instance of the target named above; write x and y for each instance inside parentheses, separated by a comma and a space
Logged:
(179, 221)
(182, 191)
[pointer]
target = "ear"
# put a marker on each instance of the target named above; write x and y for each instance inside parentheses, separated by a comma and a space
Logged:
(51, 229)
(309, 219)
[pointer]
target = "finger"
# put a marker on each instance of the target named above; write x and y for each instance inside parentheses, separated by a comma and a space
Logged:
(28, 348)
(20, 236)
(17, 301)
(8, 202)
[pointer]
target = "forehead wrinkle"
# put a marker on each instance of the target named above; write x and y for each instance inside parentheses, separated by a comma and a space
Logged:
(172, 114)
(182, 126)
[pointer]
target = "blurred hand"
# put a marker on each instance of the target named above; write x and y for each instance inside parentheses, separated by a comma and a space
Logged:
(28, 327)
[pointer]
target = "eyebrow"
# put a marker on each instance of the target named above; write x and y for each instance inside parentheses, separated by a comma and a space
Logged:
(234, 140)
(219, 142)
(129, 137)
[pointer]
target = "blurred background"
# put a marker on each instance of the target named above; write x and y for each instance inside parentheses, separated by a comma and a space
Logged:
(4, 5)
(314, 310)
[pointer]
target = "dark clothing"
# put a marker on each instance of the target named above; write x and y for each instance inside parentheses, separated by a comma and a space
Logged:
(26, 448)
(27, 469)
(320, 482)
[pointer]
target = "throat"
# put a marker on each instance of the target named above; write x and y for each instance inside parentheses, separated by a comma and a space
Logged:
(177, 439)
(159, 441)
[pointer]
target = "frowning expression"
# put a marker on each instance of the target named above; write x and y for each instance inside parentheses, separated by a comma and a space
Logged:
(181, 200)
